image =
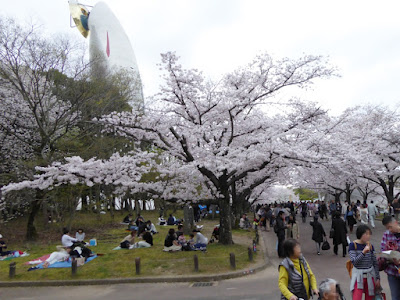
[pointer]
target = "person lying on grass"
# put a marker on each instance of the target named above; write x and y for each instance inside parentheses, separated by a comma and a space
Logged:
(171, 242)
(146, 242)
(62, 255)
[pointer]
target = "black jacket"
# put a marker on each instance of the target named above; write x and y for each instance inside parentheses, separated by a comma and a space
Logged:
(281, 227)
(318, 232)
(340, 235)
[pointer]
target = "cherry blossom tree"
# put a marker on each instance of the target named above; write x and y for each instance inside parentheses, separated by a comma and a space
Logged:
(44, 88)
(219, 130)
(224, 138)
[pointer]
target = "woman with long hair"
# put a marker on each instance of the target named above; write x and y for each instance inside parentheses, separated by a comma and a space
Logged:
(349, 217)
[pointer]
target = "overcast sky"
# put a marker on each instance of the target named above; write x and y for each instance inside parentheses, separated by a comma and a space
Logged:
(361, 38)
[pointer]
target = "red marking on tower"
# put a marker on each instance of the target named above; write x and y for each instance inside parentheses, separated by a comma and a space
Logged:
(108, 46)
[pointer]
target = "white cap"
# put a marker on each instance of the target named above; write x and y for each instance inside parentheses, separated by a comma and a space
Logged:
(1, 236)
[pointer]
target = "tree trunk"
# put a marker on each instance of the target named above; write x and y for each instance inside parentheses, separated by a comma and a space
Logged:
(348, 194)
(337, 196)
(31, 233)
(188, 219)
(388, 188)
(137, 207)
(85, 202)
(225, 229)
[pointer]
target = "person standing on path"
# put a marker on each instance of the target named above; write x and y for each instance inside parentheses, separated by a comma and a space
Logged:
(296, 279)
(365, 273)
(279, 229)
(391, 241)
(303, 208)
(318, 234)
(372, 212)
(364, 214)
(340, 233)
(396, 208)
(349, 217)
(332, 208)
(293, 228)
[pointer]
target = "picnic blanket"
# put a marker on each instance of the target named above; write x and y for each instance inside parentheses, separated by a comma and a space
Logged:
(38, 260)
(61, 264)
(15, 254)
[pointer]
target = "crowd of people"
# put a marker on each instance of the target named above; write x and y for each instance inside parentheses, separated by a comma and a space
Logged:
(296, 279)
(141, 233)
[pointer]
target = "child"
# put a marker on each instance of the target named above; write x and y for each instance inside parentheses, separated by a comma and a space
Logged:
(191, 241)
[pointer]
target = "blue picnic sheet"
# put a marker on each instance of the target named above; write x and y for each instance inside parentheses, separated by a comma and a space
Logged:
(63, 264)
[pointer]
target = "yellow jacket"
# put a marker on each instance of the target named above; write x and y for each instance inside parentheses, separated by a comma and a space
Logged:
(284, 279)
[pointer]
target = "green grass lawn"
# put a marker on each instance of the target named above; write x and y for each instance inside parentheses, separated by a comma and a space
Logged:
(121, 263)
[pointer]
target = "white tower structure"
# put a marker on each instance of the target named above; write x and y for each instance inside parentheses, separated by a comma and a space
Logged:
(109, 46)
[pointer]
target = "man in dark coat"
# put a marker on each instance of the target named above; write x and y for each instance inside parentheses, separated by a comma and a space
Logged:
(318, 233)
(279, 229)
(340, 233)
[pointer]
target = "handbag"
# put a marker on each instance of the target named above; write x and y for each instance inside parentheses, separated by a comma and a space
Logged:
(380, 296)
(325, 245)
(331, 233)
(382, 263)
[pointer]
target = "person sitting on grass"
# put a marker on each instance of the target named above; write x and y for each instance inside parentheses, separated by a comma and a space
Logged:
(67, 240)
(3, 247)
(139, 220)
(128, 240)
(132, 226)
(191, 241)
(215, 234)
(180, 231)
(171, 242)
(80, 235)
(244, 222)
(127, 219)
(201, 240)
(171, 220)
(143, 227)
(161, 221)
(153, 228)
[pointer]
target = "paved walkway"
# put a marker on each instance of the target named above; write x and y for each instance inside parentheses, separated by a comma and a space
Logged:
(262, 285)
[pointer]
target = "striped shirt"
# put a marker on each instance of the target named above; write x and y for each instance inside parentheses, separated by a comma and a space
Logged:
(390, 242)
(361, 260)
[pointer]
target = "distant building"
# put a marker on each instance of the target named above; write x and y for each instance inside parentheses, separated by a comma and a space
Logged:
(109, 47)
